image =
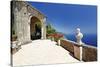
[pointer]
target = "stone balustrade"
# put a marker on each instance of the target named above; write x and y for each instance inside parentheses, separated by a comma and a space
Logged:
(66, 44)
(89, 53)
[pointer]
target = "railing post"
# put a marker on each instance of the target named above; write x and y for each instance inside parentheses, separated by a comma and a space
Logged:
(59, 42)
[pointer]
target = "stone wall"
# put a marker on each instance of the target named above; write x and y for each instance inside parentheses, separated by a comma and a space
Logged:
(89, 53)
(67, 45)
(22, 12)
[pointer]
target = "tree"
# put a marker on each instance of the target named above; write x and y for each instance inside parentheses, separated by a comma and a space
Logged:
(50, 29)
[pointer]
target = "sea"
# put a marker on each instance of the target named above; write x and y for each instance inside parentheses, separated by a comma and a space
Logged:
(88, 39)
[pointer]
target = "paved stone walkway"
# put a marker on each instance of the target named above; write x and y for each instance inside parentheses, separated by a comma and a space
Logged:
(42, 52)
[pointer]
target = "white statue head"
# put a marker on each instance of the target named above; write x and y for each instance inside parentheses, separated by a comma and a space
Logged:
(77, 30)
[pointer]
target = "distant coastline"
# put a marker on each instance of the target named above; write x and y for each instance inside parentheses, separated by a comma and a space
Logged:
(89, 39)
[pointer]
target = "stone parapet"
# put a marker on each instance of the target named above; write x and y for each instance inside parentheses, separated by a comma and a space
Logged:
(67, 45)
(89, 53)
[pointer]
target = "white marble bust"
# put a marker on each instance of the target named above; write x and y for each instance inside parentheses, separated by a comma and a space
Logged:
(79, 36)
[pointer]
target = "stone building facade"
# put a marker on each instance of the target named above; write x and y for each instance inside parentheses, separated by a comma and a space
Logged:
(24, 17)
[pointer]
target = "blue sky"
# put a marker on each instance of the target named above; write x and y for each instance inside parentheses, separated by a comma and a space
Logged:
(67, 17)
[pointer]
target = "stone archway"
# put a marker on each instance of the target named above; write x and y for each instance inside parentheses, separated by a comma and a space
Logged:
(26, 20)
(35, 28)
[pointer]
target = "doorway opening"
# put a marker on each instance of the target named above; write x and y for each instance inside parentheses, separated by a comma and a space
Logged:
(35, 28)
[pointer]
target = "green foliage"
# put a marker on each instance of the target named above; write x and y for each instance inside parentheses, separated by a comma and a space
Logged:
(50, 29)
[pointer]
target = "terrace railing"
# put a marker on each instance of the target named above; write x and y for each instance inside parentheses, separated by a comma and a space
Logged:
(78, 49)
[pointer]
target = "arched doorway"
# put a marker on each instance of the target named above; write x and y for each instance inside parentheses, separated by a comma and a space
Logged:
(35, 28)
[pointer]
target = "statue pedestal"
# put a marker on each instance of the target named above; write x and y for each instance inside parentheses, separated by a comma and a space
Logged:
(78, 52)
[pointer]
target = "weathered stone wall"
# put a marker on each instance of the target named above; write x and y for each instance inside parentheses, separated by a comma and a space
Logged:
(21, 22)
(34, 12)
(22, 12)
(67, 45)
(89, 53)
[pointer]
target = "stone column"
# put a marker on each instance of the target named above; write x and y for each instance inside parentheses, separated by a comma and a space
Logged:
(24, 26)
(43, 29)
(26, 30)
(17, 25)
(28, 27)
